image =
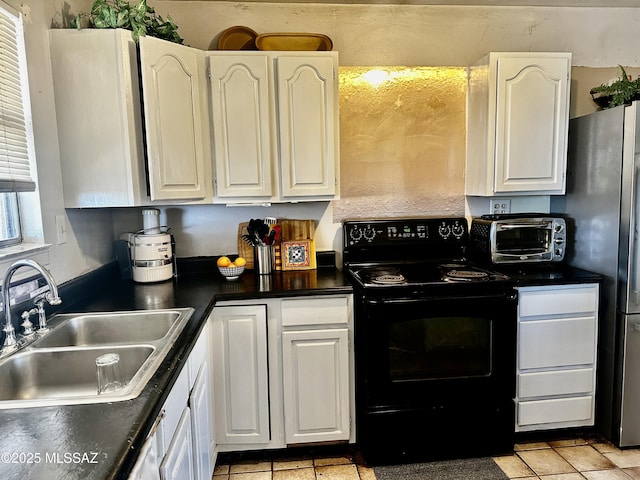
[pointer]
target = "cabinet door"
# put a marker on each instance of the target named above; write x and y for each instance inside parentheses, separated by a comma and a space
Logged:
(178, 462)
(200, 405)
(171, 80)
(240, 104)
(531, 124)
(97, 95)
(307, 121)
(316, 385)
(240, 374)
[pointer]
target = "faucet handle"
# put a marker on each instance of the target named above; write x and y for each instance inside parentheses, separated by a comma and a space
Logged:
(26, 324)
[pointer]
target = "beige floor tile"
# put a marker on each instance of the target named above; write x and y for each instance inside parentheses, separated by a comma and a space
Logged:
(251, 476)
(604, 447)
(295, 474)
(513, 466)
(221, 476)
(337, 460)
(246, 466)
(530, 446)
(366, 473)
(570, 442)
(545, 462)
(616, 474)
(222, 469)
(562, 476)
(291, 463)
(633, 472)
(625, 458)
(337, 472)
(585, 458)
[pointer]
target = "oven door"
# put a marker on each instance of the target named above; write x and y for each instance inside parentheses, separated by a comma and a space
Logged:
(418, 352)
(523, 241)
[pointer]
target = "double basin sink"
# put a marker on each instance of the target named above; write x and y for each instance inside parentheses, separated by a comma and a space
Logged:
(59, 367)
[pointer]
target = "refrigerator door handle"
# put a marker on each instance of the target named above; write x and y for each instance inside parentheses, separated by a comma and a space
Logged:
(636, 326)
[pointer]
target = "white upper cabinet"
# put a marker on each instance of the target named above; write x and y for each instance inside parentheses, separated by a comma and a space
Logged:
(172, 81)
(100, 119)
(517, 124)
(308, 133)
(275, 126)
(240, 101)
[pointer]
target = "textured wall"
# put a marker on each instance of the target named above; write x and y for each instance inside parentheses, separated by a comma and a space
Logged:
(402, 142)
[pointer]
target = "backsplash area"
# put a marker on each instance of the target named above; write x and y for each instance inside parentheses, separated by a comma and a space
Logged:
(402, 141)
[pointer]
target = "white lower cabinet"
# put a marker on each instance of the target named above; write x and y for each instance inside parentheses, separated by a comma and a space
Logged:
(316, 385)
(240, 374)
(178, 460)
(557, 355)
(180, 446)
(283, 372)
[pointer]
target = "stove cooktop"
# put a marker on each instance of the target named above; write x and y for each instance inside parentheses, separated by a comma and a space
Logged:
(422, 275)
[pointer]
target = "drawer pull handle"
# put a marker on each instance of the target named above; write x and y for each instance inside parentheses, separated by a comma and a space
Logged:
(636, 326)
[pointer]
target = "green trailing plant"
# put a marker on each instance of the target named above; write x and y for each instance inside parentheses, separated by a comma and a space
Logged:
(138, 17)
(619, 92)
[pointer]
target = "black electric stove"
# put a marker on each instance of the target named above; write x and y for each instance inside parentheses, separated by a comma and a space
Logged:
(435, 341)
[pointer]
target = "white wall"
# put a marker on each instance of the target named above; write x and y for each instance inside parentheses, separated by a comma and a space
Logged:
(364, 35)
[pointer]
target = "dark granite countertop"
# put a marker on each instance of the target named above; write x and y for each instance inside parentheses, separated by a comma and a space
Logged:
(548, 274)
(101, 441)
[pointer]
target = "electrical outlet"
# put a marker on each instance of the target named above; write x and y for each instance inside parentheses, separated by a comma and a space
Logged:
(61, 229)
(500, 205)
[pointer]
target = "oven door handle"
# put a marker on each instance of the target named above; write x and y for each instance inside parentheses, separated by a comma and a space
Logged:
(509, 296)
(524, 225)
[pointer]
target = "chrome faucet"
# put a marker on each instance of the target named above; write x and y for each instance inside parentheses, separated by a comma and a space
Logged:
(51, 297)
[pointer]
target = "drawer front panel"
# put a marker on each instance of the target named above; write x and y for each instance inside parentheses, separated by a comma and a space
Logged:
(557, 342)
(555, 411)
(315, 311)
(555, 383)
(558, 301)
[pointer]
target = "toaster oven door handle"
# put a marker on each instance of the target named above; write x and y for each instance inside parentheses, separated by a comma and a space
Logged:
(508, 226)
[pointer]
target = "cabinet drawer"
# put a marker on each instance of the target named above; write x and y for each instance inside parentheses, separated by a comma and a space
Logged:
(315, 311)
(558, 301)
(555, 411)
(555, 383)
(557, 342)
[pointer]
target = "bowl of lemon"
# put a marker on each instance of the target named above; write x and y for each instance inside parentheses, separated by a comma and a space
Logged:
(231, 269)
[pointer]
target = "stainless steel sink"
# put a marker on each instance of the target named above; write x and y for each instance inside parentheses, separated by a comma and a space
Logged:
(111, 328)
(59, 368)
(53, 377)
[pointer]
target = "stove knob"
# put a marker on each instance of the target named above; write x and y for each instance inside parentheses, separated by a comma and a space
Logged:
(444, 230)
(369, 233)
(355, 234)
(458, 230)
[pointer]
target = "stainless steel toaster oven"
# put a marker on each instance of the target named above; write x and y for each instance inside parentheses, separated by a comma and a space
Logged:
(518, 238)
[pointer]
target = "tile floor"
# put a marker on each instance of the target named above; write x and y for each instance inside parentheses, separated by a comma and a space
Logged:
(574, 459)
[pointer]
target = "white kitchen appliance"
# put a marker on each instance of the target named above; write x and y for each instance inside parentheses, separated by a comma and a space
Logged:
(151, 250)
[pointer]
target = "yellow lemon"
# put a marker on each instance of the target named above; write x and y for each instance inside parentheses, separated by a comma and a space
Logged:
(240, 262)
(224, 262)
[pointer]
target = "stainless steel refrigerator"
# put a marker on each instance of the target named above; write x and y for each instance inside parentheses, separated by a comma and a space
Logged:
(603, 217)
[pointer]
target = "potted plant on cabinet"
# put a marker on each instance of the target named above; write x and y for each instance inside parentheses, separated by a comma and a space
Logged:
(622, 91)
(138, 17)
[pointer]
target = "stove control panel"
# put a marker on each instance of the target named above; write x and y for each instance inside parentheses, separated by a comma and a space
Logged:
(406, 231)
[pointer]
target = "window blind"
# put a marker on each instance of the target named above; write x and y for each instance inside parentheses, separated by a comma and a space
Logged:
(16, 137)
